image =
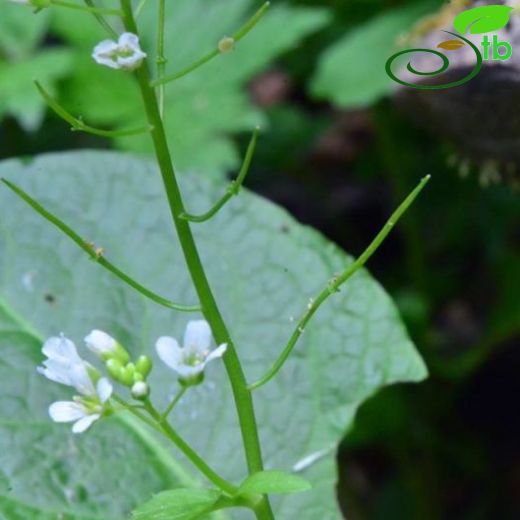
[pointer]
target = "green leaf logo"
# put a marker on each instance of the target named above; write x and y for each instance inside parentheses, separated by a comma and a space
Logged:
(483, 19)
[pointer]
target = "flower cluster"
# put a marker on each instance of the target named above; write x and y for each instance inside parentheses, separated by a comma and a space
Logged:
(64, 365)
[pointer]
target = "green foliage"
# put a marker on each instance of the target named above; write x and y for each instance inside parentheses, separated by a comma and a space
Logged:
(351, 72)
(178, 504)
(202, 109)
(356, 345)
(18, 97)
(273, 482)
(483, 19)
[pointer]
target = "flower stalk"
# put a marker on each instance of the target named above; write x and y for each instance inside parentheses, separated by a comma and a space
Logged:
(242, 396)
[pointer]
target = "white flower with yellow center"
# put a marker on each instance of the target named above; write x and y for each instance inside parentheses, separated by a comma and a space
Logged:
(190, 360)
(63, 365)
(125, 54)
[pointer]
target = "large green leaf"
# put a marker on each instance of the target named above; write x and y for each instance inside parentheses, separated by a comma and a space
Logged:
(264, 267)
(351, 72)
(203, 108)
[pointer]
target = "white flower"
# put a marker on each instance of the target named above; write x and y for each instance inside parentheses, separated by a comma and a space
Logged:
(106, 347)
(189, 361)
(126, 53)
(64, 365)
(83, 412)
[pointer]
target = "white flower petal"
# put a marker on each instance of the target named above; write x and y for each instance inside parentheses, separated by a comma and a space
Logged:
(55, 372)
(84, 423)
(217, 353)
(169, 351)
(80, 380)
(106, 47)
(197, 337)
(100, 342)
(61, 349)
(130, 40)
(67, 411)
(130, 62)
(104, 389)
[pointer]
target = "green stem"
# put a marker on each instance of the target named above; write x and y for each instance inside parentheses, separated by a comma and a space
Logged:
(175, 400)
(161, 59)
(140, 7)
(101, 20)
(215, 52)
(337, 282)
(93, 10)
(242, 396)
(234, 187)
(78, 125)
(132, 409)
(196, 460)
(95, 254)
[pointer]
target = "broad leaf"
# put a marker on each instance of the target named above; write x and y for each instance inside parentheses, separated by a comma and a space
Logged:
(264, 267)
(178, 504)
(483, 19)
(351, 72)
(273, 482)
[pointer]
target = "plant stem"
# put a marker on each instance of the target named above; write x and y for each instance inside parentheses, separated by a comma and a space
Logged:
(78, 125)
(93, 10)
(101, 20)
(95, 253)
(337, 282)
(197, 461)
(161, 59)
(174, 401)
(242, 396)
(234, 187)
(248, 26)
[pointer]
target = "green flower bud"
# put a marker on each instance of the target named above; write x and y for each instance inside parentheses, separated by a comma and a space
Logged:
(114, 368)
(143, 365)
(126, 374)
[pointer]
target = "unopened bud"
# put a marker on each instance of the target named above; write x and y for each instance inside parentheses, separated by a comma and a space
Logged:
(140, 390)
(143, 365)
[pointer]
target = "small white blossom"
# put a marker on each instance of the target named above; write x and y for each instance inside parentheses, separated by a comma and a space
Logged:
(83, 412)
(190, 360)
(63, 365)
(126, 53)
